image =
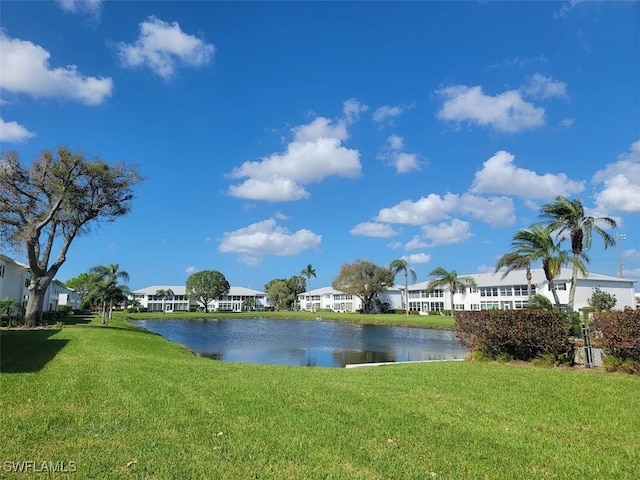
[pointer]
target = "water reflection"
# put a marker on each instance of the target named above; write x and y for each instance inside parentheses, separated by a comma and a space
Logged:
(306, 343)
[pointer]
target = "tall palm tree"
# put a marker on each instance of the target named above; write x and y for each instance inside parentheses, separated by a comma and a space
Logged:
(536, 244)
(309, 272)
(451, 280)
(516, 261)
(565, 216)
(106, 290)
(401, 265)
(164, 293)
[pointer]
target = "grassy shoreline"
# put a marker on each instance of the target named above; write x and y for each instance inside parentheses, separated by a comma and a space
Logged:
(395, 319)
(121, 402)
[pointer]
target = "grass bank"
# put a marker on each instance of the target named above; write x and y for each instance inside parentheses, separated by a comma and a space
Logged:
(424, 321)
(120, 402)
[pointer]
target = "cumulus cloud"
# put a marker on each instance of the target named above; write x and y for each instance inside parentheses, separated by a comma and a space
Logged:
(415, 243)
(454, 231)
(544, 87)
(267, 238)
(431, 208)
(417, 258)
(620, 183)
(315, 153)
(506, 112)
(163, 47)
(13, 132)
(393, 155)
(25, 70)
(500, 175)
(495, 211)
(352, 109)
(373, 229)
(191, 269)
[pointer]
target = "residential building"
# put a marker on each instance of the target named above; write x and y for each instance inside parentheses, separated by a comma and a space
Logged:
(14, 284)
(495, 292)
(234, 301)
(328, 298)
(14, 279)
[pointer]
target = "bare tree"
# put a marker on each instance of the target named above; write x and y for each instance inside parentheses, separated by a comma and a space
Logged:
(60, 196)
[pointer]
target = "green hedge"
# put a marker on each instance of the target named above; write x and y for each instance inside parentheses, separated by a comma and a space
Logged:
(517, 334)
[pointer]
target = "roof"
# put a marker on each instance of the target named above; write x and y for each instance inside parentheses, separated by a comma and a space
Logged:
(182, 290)
(518, 277)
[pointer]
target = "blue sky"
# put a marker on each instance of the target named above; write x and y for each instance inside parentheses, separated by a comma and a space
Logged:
(279, 134)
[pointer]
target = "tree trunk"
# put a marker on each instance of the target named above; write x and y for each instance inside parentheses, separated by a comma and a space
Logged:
(574, 280)
(35, 303)
(552, 287)
(406, 292)
(529, 292)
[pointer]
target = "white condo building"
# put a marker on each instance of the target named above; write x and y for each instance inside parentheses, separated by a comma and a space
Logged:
(492, 292)
(14, 284)
(178, 302)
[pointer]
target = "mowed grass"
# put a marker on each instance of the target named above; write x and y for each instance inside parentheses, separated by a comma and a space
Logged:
(124, 403)
(397, 319)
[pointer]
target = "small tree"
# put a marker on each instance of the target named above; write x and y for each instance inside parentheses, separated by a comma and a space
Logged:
(60, 196)
(451, 280)
(401, 265)
(7, 309)
(249, 304)
(106, 290)
(164, 294)
(602, 301)
(363, 279)
(206, 286)
(282, 293)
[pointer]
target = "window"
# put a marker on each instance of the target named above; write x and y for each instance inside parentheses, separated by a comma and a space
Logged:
(489, 291)
(505, 291)
(561, 286)
(490, 305)
(459, 306)
(436, 306)
(1, 271)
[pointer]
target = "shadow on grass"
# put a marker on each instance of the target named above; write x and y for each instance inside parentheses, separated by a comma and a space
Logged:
(28, 351)
(78, 319)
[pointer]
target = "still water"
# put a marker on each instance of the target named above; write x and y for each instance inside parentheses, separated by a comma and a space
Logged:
(307, 342)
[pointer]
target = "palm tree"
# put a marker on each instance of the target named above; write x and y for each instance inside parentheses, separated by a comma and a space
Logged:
(106, 289)
(309, 272)
(400, 265)
(565, 216)
(516, 261)
(7, 307)
(164, 293)
(536, 244)
(249, 304)
(444, 278)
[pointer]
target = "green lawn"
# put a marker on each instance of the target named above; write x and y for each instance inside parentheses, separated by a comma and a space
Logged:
(426, 321)
(124, 403)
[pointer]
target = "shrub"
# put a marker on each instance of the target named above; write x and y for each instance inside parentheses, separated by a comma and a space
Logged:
(519, 334)
(619, 333)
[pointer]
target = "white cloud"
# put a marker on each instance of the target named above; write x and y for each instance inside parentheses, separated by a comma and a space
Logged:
(454, 231)
(500, 175)
(191, 269)
(394, 245)
(13, 132)
(431, 208)
(496, 211)
(267, 238)
(90, 7)
(567, 122)
(631, 254)
(542, 87)
(163, 47)
(352, 109)
(415, 243)
(621, 183)
(417, 258)
(507, 112)
(386, 114)
(316, 152)
(401, 161)
(25, 69)
(373, 229)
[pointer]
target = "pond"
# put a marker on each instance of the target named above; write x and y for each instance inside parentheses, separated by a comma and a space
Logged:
(307, 342)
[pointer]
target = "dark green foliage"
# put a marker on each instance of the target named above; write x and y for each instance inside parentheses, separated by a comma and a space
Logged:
(602, 300)
(519, 334)
(619, 333)
(206, 286)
